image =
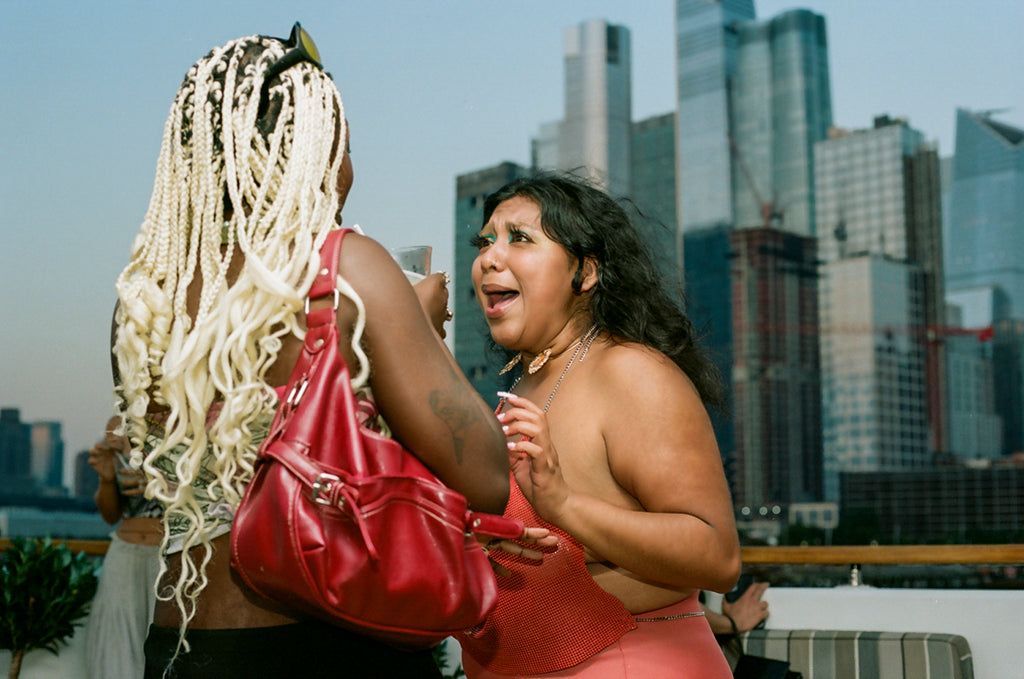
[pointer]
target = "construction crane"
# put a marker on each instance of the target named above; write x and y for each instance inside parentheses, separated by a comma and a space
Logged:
(771, 214)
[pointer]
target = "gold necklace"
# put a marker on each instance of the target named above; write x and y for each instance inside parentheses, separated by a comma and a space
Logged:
(583, 344)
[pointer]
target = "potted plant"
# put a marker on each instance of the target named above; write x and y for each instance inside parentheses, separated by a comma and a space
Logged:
(45, 589)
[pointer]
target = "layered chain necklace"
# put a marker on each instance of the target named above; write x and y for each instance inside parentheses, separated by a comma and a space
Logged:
(582, 345)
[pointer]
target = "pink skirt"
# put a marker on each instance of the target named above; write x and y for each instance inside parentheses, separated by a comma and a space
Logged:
(674, 642)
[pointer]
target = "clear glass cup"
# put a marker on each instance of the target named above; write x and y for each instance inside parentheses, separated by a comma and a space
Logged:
(414, 260)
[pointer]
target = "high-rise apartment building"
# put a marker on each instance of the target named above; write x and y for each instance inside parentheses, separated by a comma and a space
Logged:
(878, 193)
(985, 228)
(472, 338)
(707, 47)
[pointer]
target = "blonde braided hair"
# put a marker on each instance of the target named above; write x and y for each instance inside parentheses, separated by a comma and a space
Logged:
(229, 173)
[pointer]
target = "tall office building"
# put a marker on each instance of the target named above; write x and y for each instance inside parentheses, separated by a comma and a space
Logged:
(1008, 369)
(48, 456)
(594, 137)
(775, 372)
(877, 198)
(654, 193)
(874, 405)
(753, 98)
(706, 60)
(985, 253)
(975, 427)
(470, 330)
(975, 422)
(15, 453)
(985, 231)
(781, 106)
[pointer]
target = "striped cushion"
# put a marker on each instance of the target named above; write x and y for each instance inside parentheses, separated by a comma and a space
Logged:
(838, 654)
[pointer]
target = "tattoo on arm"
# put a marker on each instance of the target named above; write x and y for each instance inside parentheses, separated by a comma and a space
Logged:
(458, 419)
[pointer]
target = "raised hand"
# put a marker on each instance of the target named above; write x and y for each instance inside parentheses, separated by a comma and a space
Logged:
(533, 457)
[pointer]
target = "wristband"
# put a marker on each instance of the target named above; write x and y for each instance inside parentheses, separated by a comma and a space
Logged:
(732, 622)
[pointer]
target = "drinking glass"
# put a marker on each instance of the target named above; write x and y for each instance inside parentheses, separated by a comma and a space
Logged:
(414, 260)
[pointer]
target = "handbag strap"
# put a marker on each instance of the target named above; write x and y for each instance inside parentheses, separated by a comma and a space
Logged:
(325, 282)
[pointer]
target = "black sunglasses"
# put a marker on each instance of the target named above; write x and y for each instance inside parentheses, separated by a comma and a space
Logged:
(300, 48)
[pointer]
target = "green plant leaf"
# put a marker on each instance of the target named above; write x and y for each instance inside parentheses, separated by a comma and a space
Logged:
(45, 590)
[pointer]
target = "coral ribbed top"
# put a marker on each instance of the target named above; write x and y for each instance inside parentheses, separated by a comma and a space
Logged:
(551, 614)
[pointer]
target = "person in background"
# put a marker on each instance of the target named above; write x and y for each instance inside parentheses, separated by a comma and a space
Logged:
(253, 173)
(610, 445)
(741, 615)
(122, 609)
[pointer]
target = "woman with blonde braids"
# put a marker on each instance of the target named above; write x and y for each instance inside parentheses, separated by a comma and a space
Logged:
(252, 175)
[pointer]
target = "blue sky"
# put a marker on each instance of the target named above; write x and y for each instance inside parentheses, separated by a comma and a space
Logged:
(431, 89)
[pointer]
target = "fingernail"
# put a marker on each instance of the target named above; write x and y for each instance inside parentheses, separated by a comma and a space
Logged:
(505, 394)
(504, 428)
(511, 445)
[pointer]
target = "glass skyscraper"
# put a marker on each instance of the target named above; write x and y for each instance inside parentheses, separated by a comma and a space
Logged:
(781, 106)
(753, 98)
(985, 254)
(706, 62)
(985, 232)
(654, 193)
(877, 197)
(595, 133)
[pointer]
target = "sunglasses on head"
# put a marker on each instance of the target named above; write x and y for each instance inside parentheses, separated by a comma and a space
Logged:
(300, 47)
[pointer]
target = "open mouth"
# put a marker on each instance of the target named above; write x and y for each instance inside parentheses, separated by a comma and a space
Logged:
(497, 298)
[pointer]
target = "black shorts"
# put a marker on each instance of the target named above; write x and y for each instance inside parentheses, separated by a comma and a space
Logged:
(309, 650)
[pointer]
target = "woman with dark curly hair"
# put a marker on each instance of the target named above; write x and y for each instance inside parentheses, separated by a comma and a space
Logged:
(610, 447)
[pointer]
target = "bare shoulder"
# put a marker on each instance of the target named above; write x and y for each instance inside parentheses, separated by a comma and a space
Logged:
(362, 254)
(644, 373)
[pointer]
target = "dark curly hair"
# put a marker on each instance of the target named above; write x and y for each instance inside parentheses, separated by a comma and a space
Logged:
(630, 300)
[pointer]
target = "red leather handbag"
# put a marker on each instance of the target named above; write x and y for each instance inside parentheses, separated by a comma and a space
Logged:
(346, 524)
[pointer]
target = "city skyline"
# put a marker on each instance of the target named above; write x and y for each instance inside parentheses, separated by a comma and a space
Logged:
(471, 84)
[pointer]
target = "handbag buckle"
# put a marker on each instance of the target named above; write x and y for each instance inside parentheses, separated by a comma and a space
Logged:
(297, 392)
(324, 484)
(337, 299)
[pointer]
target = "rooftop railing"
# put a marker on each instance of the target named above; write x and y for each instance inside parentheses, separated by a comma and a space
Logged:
(832, 555)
